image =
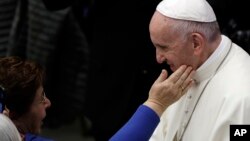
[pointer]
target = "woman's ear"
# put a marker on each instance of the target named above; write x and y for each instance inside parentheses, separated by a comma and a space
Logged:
(198, 43)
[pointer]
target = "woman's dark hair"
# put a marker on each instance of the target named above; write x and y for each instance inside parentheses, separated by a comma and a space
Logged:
(20, 79)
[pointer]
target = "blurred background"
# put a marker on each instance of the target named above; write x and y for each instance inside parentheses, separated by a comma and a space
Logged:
(99, 60)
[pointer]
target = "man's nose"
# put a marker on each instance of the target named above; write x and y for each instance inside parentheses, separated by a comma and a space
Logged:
(159, 57)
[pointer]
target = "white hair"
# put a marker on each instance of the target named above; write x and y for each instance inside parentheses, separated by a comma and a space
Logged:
(209, 30)
(8, 131)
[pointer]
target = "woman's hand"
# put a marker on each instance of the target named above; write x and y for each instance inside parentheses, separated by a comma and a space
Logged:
(165, 91)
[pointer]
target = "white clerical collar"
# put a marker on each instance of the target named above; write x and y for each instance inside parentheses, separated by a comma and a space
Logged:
(208, 68)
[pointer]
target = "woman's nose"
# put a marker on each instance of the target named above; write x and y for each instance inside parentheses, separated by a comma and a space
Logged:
(47, 103)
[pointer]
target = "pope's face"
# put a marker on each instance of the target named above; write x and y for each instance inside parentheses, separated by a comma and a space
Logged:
(171, 47)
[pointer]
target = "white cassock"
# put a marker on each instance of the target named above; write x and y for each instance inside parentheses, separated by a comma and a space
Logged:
(220, 97)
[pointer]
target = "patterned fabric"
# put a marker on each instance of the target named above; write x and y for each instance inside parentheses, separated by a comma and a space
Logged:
(7, 11)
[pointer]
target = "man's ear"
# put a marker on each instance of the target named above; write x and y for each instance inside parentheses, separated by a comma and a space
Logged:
(198, 43)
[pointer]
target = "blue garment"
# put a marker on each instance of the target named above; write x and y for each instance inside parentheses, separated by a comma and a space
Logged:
(31, 137)
(140, 127)
(2, 97)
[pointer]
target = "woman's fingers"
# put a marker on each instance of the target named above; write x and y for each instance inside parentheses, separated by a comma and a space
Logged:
(184, 79)
(177, 74)
(163, 76)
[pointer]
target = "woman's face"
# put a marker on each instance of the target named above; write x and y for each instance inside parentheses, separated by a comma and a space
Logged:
(34, 118)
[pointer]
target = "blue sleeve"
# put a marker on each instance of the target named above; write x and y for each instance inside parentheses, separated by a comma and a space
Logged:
(31, 137)
(140, 127)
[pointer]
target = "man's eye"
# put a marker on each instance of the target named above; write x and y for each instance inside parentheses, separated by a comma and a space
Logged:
(163, 47)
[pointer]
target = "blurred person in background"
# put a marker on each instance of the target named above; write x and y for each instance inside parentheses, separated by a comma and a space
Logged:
(55, 41)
